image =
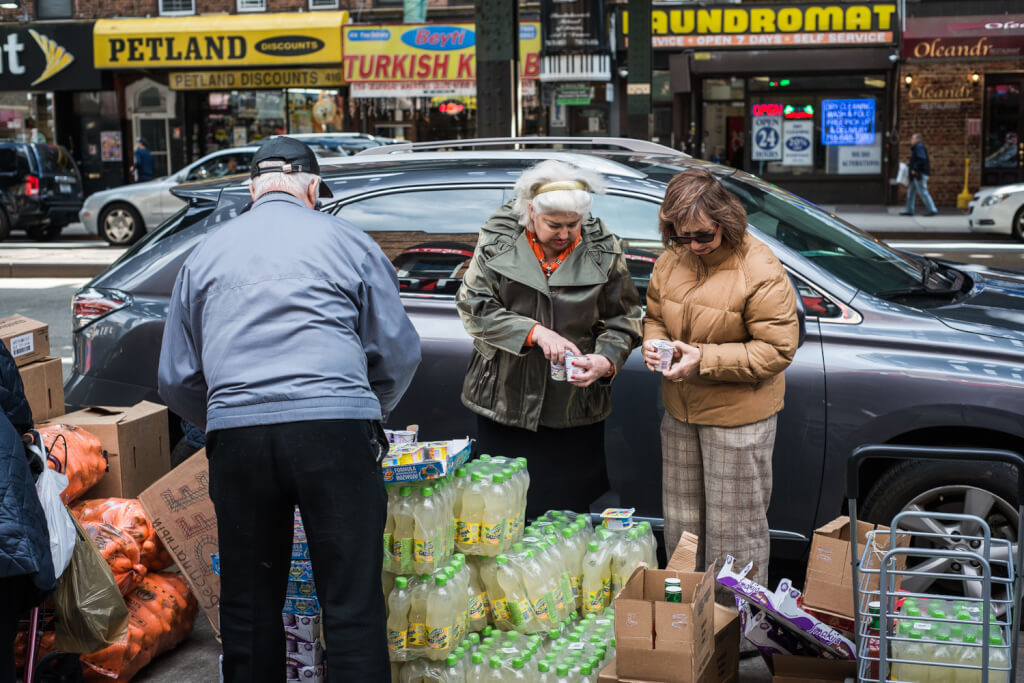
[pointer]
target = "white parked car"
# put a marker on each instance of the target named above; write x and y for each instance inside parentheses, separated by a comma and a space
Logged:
(999, 209)
(123, 214)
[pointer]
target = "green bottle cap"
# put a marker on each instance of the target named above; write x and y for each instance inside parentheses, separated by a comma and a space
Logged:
(585, 670)
(956, 632)
(498, 478)
(942, 636)
(401, 582)
(477, 477)
(593, 546)
(451, 660)
(971, 638)
(518, 663)
(568, 532)
(562, 670)
(913, 611)
(543, 667)
(916, 635)
(522, 461)
(495, 662)
(441, 580)
(963, 615)
(518, 547)
(428, 492)
(501, 559)
(478, 658)
(995, 639)
(485, 457)
(489, 640)
(487, 630)
(474, 638)
(405, 491)
(461, 471)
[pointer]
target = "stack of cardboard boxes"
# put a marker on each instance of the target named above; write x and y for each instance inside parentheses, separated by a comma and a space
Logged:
(134, 439)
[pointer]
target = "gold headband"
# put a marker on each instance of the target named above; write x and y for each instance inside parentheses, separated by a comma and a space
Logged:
(561, 185)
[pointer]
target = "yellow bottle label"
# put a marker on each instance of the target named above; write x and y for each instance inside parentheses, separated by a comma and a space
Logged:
(593, 601)
(417, 635)
(500, 611)
(439, 638)
(403, 555)
(423, 550)
(397, 640)
(387, 549)
(476, 607)
(492, 534)
(575, 581)
(540, 608)
(607, 589)
(467, 533)
(559, 599)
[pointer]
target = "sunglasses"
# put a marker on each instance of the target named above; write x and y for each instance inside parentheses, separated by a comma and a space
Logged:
(702, 237)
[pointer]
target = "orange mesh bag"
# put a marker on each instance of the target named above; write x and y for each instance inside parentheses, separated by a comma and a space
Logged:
(21, 647)
(79, 454)
(162, 612)
(128, 516)
(120, 551)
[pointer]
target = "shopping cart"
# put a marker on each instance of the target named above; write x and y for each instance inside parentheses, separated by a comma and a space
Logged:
(892, 623)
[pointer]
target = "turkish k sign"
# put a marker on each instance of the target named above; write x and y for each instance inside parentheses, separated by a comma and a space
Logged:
(50, 56)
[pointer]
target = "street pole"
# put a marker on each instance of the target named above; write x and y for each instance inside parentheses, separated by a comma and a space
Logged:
(638, 61)
(497, 68)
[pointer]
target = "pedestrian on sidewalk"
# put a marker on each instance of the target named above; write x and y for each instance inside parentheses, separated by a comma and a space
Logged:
(725, 303)
(920, 169)
(287, 343)
(143, 166)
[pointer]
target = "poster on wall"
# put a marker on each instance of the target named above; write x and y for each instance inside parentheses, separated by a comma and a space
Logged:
(110, 145)
(238, 136)
(848, 122)
(856, 159)
(767, 135)
(798, 143)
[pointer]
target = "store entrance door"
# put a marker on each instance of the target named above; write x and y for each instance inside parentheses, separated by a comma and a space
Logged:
(155, 133)
(1003, 139)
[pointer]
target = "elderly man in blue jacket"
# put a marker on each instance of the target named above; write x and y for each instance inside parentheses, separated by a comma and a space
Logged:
(287, 343)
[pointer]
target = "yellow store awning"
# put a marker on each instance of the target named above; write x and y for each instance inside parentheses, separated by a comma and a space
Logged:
(219, 40)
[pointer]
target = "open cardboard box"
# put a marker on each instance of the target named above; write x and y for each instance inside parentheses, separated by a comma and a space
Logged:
(663, 641)
(828, 590)
(789, 669)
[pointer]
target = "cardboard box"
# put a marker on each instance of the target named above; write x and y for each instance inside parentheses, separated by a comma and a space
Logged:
(44, 388)
(28, 340)
(789, 669)
(458, 453)
(134, 439)
(183, 516)
(829, 584)
(725, 664)
(663, 641)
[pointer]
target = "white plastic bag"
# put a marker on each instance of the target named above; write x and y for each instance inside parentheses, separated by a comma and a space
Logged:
(49, 486)
(903, 175)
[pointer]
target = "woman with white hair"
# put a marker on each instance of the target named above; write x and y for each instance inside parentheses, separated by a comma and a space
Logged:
(547, 278)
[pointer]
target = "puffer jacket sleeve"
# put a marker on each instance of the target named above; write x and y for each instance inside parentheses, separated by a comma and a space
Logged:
(13, 403)
(654, 325)
(621, 316)
(483, 313)
(771, 320)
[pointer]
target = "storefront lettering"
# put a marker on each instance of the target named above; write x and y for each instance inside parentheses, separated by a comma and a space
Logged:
(941, 47)
(931, 93)
(795, 19)
(250, 79)
(384, 67)
(12, 48)
(210, 48)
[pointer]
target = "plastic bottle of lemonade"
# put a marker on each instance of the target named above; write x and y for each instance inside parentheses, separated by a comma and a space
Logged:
(440, 619)
(492, 527)
(471, 514)
(404, 529)
(574, 563)
(998, 658)
(416, 640)
(519, 608)
(942, 653)
(917, 671)
(398, 619)
(596, 575)
(425, 536)
(970, 655)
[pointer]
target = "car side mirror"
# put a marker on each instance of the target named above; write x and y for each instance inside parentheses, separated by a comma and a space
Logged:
(801, 312)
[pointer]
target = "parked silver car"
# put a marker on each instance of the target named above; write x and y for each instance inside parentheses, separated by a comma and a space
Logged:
(122, 215)
(898, 348)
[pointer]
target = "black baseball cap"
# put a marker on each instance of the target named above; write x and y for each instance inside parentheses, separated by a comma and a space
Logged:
(296, 156)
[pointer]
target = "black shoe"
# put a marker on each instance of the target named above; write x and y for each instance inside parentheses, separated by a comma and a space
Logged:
(906, 213)
(932, 213)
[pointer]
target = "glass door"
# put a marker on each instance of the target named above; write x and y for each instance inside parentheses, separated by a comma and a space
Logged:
(1002, 141)
(155, 132)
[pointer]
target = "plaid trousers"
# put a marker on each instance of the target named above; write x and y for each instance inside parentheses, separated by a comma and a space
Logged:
(717, 483)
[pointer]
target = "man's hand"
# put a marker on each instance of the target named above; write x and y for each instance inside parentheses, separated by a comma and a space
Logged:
(688, 364)
(595, 367)
(552, 344)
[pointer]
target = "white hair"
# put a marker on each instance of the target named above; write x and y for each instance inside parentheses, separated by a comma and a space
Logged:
(555, 201)
(293, 183)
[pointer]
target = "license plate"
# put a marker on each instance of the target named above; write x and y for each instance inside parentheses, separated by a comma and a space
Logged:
(65, 188)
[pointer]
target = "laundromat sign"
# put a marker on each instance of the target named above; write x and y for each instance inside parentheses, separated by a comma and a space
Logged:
(230, 40)
(766, 26)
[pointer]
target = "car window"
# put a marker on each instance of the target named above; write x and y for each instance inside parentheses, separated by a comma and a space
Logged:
(8, 160)
(816, 304)
(55, 160)
(188, 215)
(444, 211)
(857, 258)
(631, 218)
(226, 164)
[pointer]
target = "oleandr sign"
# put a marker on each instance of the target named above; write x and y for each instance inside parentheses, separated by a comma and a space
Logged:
(958, 38)
(228, 40)
(940, 92)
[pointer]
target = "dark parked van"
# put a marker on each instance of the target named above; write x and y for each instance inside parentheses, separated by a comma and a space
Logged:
(44, 186)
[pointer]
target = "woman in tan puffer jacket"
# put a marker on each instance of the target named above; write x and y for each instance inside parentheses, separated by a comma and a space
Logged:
(727, 306)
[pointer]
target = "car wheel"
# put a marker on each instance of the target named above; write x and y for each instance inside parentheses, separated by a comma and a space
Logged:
(5, 225)
(985, 490)
(1018, 224)
(121, 224)
(44, 233)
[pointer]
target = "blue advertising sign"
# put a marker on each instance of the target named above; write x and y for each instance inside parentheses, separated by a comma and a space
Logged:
(848, 122)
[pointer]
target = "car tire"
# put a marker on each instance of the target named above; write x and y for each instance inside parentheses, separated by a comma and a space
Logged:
(5, 225)
(1018, 224)
(121, 225)
(985, 489)
(44, 233)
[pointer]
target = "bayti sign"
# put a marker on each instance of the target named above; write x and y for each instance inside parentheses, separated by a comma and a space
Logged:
(425, 54)
(47, 57)
(214, 41)
(766, 26)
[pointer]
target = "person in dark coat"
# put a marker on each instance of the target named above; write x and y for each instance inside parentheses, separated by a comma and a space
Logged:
(26, 567)
(920, 169)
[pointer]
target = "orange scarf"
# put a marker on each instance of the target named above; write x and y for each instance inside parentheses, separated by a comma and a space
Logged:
(550, 266)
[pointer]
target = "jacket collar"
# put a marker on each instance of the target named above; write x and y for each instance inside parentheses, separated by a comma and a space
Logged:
(712, 260)
(277, 196)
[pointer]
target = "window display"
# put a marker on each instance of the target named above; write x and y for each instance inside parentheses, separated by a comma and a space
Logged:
(26, 116)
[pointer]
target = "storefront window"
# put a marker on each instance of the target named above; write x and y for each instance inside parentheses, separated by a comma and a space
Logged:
(315, 111)
(242, 117)
(723, 121)
(26, 116)
(815, 125)
(1002, 130)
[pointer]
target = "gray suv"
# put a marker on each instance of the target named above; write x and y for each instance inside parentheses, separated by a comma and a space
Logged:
(897, 348)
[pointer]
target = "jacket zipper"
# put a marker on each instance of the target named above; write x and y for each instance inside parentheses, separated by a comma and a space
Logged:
(701, 269)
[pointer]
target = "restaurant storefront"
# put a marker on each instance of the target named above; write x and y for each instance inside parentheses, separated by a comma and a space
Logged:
(963, 78)
(417, 81)
(800, 94)
(192, 85)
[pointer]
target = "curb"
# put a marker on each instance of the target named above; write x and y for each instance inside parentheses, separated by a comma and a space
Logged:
(89, 270)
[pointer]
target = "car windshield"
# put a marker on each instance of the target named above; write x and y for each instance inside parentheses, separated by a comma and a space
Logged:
(829, 242)
(55, 160)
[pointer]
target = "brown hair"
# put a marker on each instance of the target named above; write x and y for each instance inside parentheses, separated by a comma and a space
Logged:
(694, 194)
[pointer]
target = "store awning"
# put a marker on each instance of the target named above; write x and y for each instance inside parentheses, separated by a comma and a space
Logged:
(971, 37)
(219, 40)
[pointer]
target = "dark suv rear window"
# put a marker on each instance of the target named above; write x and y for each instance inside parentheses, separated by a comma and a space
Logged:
(56, 160)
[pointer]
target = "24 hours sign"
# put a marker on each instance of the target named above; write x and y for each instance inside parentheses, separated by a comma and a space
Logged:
(767, 138)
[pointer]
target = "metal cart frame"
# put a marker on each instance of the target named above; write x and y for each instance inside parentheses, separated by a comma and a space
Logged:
(977, 549)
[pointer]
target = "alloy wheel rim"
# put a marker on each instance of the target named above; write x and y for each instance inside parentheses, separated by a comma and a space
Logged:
(1002, 520)
(119, 225)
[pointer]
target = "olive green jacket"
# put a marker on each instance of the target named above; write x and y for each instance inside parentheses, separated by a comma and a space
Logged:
(590, 300)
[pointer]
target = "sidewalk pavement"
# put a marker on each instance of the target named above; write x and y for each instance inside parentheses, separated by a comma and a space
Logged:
(89, 257)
